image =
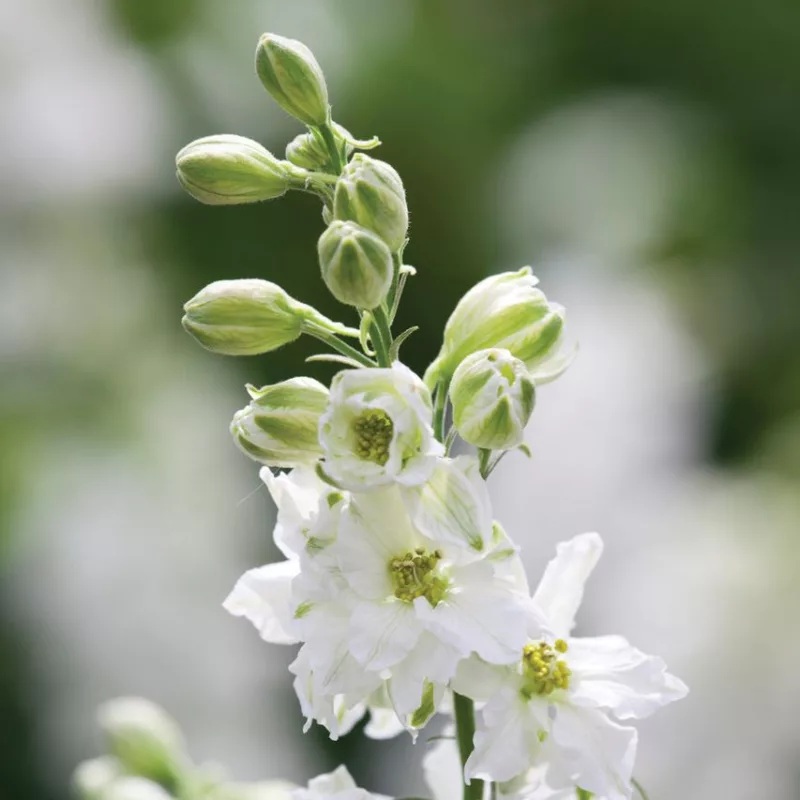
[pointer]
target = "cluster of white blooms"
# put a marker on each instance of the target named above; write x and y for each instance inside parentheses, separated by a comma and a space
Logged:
(405, 595)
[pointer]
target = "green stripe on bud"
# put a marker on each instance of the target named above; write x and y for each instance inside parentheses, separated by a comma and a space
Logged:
(291, 74)
(356, 264)
(249, 317)
(493, 397)
(371, 193)
(230, 170)
(503, 311)
(279, 426)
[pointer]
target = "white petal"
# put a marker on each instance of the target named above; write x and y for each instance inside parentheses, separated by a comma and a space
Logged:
(429, 662)
(335, 711)
(599, 752)
(478, 680)
(339, 780)
(383, 723)
(504, 556)
(479, 616)
(347, 717)
(297, 496)
(610, 673)
(505, 744)
(381, 635)
(453, 505)
(263, 596)
(560, 591)
(442, 768)
(374, 529)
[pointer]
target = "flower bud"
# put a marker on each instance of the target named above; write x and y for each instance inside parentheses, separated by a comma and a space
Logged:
(133, 788)
(248, 317)
(493, 397)
(291, 74)
(308, 152)
(356, 264)
(144, 738)
(504, 311)
(229, 170)
(279, 427)
(371, 193)
(92, 778)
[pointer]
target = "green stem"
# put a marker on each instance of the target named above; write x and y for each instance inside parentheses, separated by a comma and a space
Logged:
(464, 710)
(333, 150)
(335, 343)
(582, 794)
(384, 330)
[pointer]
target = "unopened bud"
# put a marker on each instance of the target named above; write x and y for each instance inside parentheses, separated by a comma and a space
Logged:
(356, 264)
(248, 317)
(92, 778)
(134, 788)
(279, 427)
(307, 151)
(493, 397)
(144, 738)
(503, 311)
(371, 193)
(291, 74)
(229, 170)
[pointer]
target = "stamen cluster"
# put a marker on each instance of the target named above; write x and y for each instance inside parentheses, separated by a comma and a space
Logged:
(413, 576)
(543, 670)
(373, 429)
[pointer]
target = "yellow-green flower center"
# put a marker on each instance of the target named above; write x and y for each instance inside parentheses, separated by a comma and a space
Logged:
(373, 429)
(542, 669)
(413, 576)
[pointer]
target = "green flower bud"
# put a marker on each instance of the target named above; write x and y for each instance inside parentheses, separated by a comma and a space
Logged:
(249, 317)
(504, 311)
(134, 788)
(229, 170)
(371, 193)
(493, 397)
(308, 152)
(291, 74)
(92, 778)
(279, 427)
(144, 738)
(356, 264)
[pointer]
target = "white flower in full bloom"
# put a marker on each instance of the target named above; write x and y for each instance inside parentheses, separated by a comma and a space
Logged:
(336, 785)
(554, 706)
(420, 604)
(377, 429)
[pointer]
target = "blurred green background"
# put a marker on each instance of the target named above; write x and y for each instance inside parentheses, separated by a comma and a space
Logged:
(642, 157)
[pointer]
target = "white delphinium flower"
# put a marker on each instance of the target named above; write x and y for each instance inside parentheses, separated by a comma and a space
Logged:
(553, 706)
(336, 785)
(421, 604)
(377, 429)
